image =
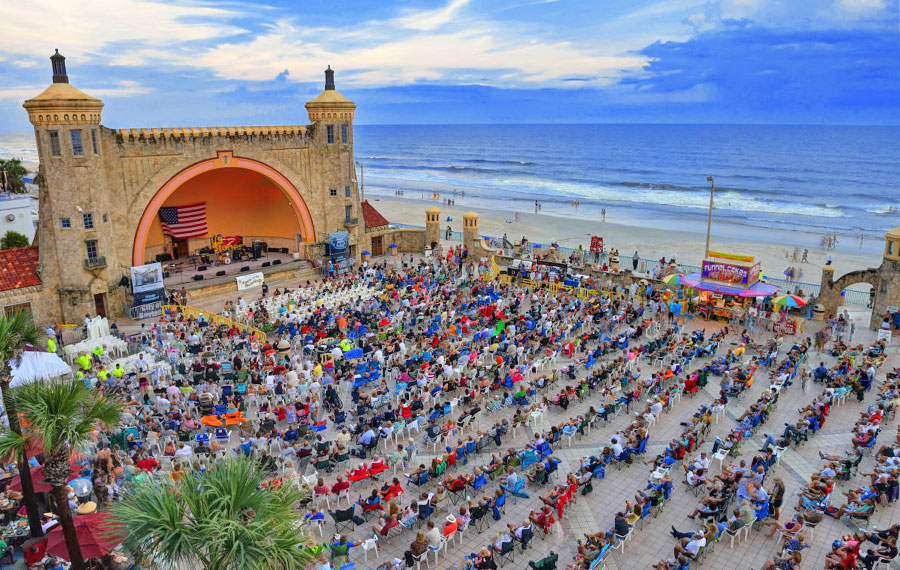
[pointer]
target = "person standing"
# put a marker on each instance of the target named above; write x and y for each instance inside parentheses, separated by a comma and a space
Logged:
(603, 214)
(634, 260)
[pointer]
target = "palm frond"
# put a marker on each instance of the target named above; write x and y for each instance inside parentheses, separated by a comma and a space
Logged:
(219, 519)
(15, 332)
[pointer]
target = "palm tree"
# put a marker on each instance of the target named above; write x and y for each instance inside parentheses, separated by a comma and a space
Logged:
(61, 414)
(15, 332)
(219, 519)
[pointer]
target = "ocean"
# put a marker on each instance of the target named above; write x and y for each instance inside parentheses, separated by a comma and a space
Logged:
(812, 179)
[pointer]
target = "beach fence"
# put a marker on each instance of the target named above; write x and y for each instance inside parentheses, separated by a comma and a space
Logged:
(852, 296)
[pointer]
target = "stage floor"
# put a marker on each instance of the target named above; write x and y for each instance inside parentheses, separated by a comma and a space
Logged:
(182, 274)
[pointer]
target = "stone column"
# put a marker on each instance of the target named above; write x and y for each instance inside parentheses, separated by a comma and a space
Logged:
(432, 226)
(470, 231)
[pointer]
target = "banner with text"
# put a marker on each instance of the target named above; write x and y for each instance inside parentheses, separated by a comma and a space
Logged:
(250, 281)
(730, 273)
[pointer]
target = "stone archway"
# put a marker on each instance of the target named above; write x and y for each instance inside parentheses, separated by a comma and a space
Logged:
(830, 293)
(223, 159)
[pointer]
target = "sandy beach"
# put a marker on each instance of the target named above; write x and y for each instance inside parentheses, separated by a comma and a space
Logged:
(686, 246)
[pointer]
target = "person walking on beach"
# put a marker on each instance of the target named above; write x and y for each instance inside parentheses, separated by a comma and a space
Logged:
(535, 206)
(634, 260)
(603, 214)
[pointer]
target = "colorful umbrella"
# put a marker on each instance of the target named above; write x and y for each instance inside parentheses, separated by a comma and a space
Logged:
(789, 301)
(96, 535)
(674, 279)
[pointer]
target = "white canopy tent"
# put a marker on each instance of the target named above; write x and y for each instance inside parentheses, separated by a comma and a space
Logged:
(36, 365)
(33, 366)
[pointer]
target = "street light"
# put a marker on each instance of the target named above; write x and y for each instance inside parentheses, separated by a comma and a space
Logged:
(362, 181)
(712, 190)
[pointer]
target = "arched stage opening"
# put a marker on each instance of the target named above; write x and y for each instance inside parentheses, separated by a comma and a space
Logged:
(243, 197)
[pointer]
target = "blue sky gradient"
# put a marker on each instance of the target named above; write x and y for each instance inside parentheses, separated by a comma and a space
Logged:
(159, 63)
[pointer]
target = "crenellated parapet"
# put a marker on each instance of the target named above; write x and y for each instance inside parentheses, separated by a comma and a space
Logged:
(204, 132)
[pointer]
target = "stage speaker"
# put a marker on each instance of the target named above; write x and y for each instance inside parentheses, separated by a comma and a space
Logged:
(161, 257)
(165, 274)
(220, 273)
(266, 264)
(245, 268)
(198, 278)
(202, 268)
(276, 262)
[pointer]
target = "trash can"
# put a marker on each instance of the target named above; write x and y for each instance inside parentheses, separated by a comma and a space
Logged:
(819, 312)
(392, 249)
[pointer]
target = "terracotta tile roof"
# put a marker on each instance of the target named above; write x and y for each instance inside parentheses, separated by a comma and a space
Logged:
(19, 268)
(371, 216)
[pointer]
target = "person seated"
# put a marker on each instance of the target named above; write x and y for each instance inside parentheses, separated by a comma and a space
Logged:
(887, 550)
(791, 527)
(791, 561)
(856, 506)
(384, 524)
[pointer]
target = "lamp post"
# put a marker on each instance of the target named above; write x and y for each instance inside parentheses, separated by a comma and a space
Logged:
(362, 181)
(712, 190)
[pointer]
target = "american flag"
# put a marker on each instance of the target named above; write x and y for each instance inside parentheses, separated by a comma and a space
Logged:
(184, 221)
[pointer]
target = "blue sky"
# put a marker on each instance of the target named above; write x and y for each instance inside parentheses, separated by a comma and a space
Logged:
(194, 62)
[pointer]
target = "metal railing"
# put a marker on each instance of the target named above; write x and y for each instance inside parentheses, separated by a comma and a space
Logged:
(214, 319)
(95, 262)
(348, 222)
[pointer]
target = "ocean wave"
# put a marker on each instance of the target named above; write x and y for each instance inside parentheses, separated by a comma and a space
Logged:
(555, 191)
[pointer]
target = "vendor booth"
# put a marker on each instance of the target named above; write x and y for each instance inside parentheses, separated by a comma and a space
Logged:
(727, 284)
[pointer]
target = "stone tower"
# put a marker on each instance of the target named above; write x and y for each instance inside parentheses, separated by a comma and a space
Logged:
(470, 231)
(76, 244)
(331, 116)
(432, 226)
(884, 279)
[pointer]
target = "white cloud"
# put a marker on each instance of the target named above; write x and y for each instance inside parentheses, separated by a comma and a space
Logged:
(433, 19)
(118, 89)
(861, 6)
(86, 29)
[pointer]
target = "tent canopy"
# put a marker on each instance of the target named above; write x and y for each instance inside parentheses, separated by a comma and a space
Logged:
(758, 289)
(36, 365)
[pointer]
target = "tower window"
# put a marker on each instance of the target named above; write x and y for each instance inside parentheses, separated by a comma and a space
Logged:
(329, 133)
(77, 147)
(890, 247)
(332, 192)
(343, 133)
(54, 143)
(65, 222)
(348, 212)
(94, 141)
(105, 218)
(346, 191)
(88, 220)
(91, 248)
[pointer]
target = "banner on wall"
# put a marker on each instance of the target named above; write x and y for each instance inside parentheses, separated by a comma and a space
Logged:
(146, 278)
(250, 281)
(338, 242)
(596, 244)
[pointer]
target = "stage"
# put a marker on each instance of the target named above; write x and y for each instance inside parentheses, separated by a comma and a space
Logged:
(184, 273)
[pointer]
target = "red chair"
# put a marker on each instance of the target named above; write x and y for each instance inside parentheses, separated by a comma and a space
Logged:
(393, 492)
(358, 474)
(377, 467)
(367, 508)
(451, 459)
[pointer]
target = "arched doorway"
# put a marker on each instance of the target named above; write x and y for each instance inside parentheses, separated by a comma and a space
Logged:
(243, 197)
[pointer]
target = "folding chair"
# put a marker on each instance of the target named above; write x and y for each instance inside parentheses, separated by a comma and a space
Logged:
(507, 553)
(343, 518)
